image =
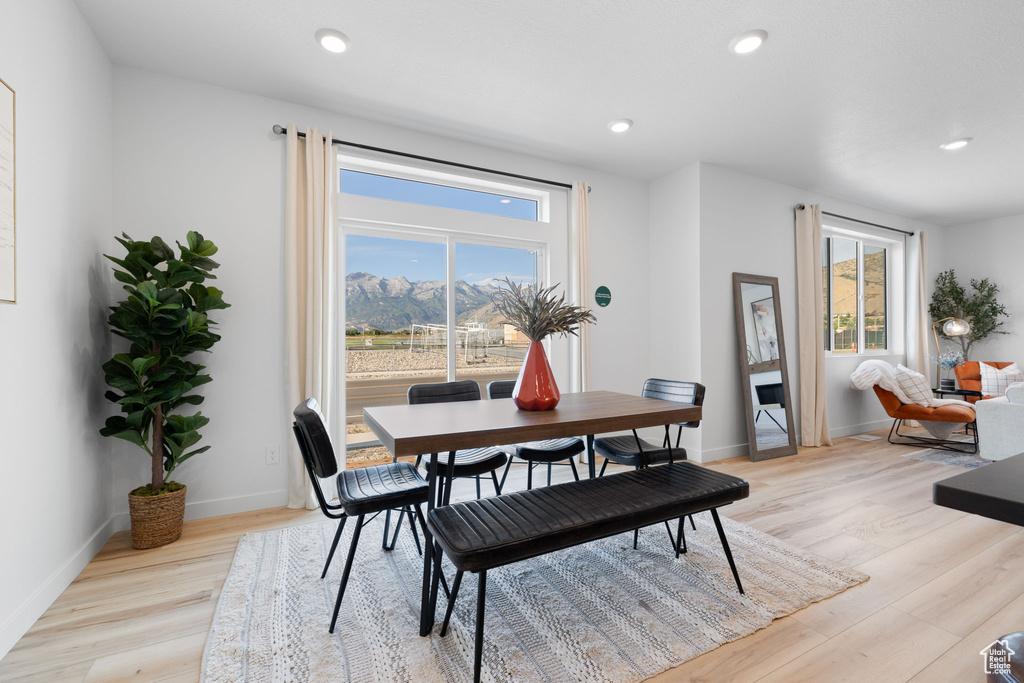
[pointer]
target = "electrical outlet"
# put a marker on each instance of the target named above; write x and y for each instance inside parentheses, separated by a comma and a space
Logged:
(273, 455)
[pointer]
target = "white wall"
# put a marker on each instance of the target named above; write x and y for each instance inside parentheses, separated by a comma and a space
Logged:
(746, 225)
(192, 156)
(55, 507)
(675, 337)
(991, 249)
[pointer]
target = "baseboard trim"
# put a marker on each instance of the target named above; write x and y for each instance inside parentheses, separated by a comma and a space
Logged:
(16, 625)
(219, 506)
(861, 428)
(723, 453)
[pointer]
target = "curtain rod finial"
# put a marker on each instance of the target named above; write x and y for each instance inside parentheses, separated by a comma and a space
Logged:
(278, 129)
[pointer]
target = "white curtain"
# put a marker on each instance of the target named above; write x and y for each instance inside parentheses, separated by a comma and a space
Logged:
(918, 321)
(581, 233)
(310, 288)
(811, 328)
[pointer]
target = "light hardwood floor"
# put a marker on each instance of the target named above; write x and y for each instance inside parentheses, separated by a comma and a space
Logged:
(943, 584)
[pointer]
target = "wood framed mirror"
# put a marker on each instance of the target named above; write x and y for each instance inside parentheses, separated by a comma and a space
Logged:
(764, 374)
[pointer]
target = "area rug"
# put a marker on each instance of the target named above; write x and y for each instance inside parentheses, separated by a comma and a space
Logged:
(597, 612)
(967, 460)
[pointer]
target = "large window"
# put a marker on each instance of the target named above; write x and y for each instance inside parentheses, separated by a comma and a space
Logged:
(424, 253)
(860, 291)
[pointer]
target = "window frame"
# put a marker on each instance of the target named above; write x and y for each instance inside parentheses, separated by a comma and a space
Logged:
(461, 181)
(895, 290)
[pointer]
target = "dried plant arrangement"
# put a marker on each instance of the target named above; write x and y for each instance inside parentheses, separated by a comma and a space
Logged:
(537, 312)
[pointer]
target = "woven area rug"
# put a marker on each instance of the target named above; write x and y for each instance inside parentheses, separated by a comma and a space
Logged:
(597, 612)
(967, 460)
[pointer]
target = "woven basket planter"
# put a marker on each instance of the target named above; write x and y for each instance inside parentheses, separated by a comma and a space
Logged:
(156, 520)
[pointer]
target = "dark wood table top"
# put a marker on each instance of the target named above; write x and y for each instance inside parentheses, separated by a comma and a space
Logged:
(438, 427)
(995, 491)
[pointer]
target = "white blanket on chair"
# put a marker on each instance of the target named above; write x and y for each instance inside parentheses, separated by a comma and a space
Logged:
(878, 372)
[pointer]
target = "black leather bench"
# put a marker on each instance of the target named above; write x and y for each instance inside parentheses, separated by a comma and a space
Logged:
(479, 535)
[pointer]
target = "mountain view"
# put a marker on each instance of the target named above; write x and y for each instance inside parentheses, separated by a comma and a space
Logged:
(395, 304)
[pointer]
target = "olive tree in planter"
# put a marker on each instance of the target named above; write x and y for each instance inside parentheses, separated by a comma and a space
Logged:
(979, 308)
(164, 317)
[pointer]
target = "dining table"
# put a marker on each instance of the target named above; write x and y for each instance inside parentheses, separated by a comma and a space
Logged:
(414, 430)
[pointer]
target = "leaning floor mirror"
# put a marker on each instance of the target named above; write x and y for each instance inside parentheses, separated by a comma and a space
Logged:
(763, 371)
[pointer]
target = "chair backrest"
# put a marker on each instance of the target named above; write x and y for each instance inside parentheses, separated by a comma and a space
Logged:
(501, 388)
(673, 390)
(890, 402)
(444, 392)
(767, 394)
(316, 448)
(968, 375)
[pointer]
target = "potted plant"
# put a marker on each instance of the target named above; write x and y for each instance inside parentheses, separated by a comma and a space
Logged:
(949, 360)
(980, 308)
(537, 314)
(164, 317)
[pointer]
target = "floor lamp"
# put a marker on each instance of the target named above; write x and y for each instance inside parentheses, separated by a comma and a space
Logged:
(952, 327)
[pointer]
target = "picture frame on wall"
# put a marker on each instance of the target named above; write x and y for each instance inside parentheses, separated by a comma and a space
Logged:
(8, 256)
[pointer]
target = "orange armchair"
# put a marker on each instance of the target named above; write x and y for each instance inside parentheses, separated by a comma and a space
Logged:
(968, 376)
(900, 412)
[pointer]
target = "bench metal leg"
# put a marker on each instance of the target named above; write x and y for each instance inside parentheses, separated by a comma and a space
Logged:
(478, 647)
(693, 525)
(497, 486)
(725, 547)
(636, 536)
(451, 602)
(334, 546)
(348, 570)
(529, 475)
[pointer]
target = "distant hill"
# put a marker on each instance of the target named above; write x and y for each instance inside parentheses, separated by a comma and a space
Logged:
(395, 304)
(844, 295)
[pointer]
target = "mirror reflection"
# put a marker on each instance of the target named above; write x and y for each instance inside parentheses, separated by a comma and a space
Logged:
(769, 405)
(759, 329)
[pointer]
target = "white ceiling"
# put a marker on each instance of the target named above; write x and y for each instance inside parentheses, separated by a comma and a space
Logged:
(850, 99)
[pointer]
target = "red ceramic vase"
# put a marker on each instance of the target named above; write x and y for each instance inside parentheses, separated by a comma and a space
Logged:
(535, 387)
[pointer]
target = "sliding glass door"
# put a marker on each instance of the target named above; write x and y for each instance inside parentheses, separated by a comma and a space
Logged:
(410, 318)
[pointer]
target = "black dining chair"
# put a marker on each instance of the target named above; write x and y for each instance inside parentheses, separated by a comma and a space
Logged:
(363, 491)
(550, 451)
(633, 451)
(467, 463)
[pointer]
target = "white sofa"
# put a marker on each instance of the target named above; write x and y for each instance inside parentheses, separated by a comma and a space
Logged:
(1001, 424)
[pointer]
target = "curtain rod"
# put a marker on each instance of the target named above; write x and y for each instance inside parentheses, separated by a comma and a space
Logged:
(801, 207)
(280, 130)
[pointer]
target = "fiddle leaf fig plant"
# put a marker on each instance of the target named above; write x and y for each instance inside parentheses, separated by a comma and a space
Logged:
(164, 317)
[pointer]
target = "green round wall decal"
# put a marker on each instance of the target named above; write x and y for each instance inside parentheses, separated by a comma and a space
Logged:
(603, 296)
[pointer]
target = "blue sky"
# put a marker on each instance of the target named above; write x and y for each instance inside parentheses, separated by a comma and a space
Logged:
(390, 258)
(387, 257)
(414, 192)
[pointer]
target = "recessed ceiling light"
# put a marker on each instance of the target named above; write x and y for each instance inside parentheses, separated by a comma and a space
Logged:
(620, 125)
(506, 201)
(331, 40)
(956, 144)
(747, 42)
